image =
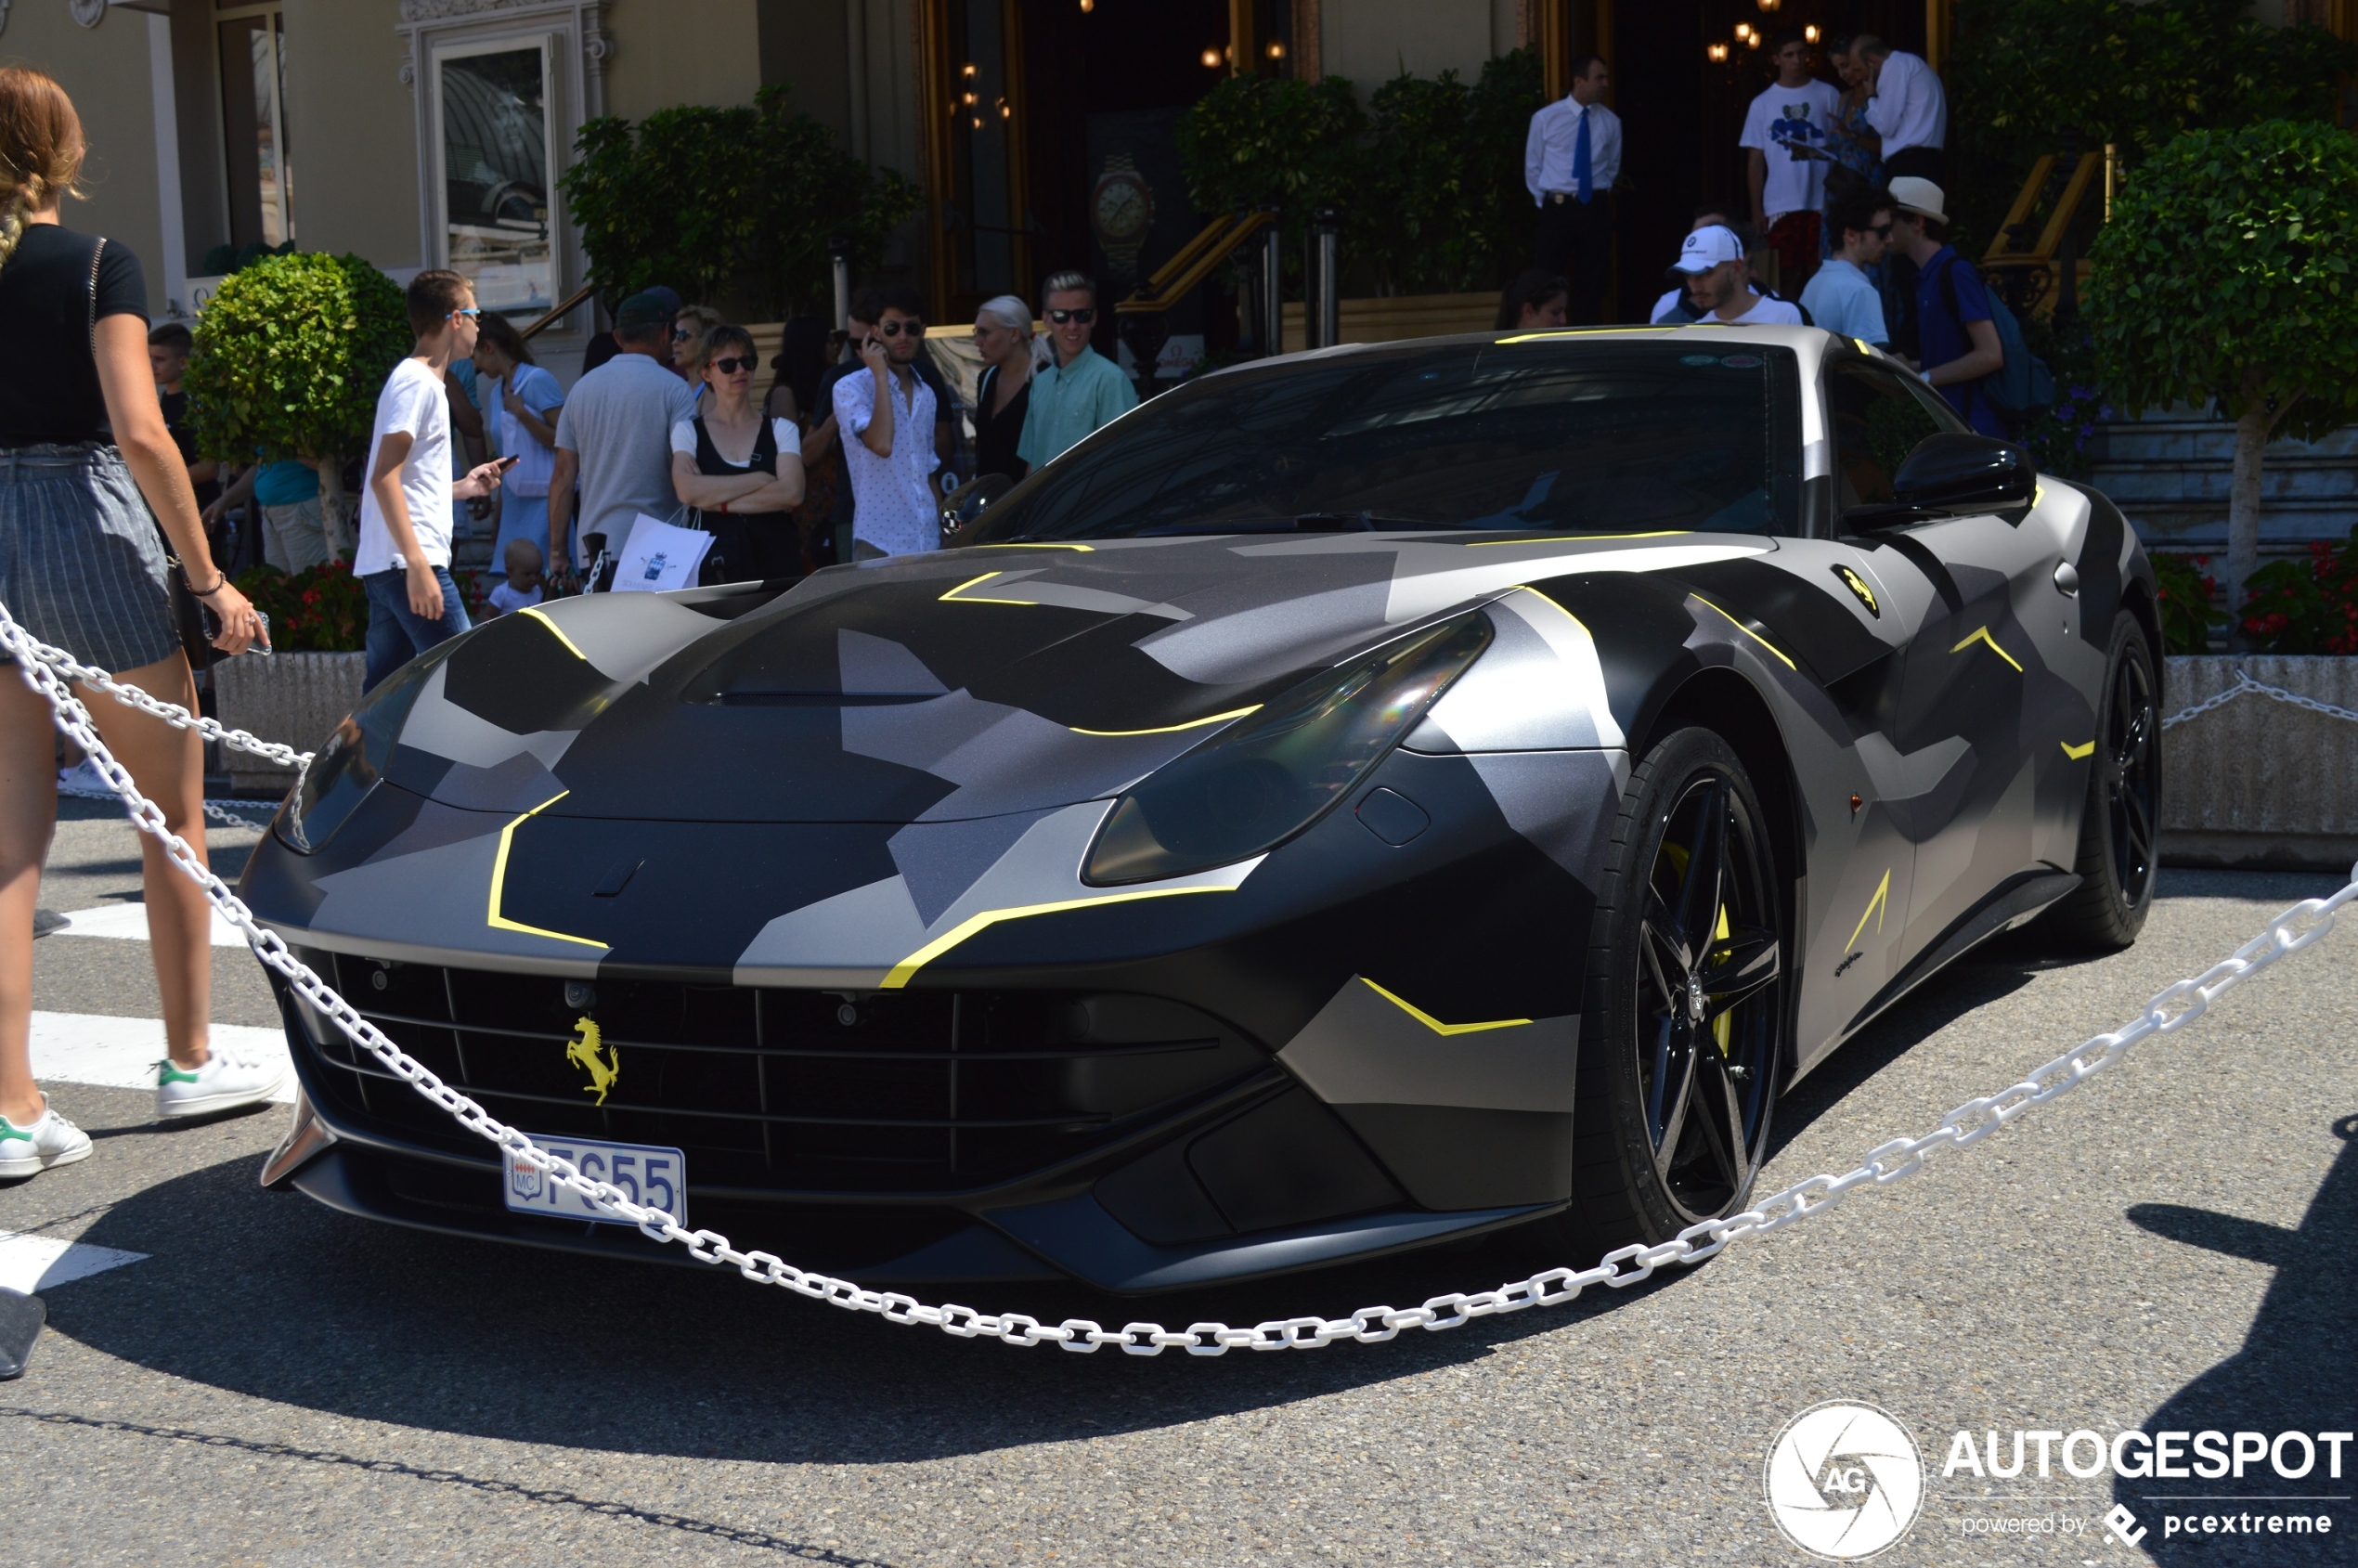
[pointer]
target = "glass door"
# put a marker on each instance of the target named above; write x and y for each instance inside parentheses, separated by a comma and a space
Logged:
(981, 219)
(492, 108)
(254, 75)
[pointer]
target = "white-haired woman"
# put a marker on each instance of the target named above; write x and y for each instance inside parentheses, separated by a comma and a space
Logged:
(1003, 331)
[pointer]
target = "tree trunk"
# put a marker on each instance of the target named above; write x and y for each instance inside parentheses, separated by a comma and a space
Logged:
(332, 505)
(2243, 512)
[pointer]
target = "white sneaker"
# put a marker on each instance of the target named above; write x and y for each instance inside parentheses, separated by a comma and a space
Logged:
(84, 780)
(228, 1079)
(28, 1151)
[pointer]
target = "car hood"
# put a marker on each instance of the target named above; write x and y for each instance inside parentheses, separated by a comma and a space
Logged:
(974, 682)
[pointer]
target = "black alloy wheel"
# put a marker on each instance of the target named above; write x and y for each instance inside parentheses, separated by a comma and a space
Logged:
(2118, 860)
(1684, 1039)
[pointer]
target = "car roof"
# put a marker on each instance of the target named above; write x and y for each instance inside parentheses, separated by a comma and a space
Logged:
(1811, 345)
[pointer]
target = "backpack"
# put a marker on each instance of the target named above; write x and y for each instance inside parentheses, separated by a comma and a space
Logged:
(2024, 385)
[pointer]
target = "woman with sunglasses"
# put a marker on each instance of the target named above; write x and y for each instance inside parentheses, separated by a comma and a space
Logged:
(742, 471)
(1075, 390)
(689, 329)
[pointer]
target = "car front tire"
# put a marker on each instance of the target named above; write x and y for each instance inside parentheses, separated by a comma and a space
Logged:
(1684, 1034)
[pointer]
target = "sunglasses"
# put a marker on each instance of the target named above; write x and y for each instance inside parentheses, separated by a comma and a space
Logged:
(681, 334)
(735, 363)
(1086, 317)
(1880, 230)
(895, 328)
(470, 310)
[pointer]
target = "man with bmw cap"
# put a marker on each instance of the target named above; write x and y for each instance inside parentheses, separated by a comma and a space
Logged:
(1719, 285)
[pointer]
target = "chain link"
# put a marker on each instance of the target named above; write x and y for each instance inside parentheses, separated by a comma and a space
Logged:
(2244, 683)
(2171, 1009)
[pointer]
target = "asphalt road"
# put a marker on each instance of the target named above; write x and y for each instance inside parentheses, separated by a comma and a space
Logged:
(2175, 1245)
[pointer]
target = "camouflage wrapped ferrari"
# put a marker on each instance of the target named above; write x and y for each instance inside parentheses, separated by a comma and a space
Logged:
(1351, 802)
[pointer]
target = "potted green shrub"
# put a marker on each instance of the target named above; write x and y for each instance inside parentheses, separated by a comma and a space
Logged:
(2230, 272)
(291, 354)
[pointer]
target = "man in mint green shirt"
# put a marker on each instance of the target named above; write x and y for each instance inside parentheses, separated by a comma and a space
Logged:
(1082, 391)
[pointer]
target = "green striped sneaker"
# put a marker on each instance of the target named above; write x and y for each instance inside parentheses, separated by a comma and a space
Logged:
(28, 1151)
(229, 1079)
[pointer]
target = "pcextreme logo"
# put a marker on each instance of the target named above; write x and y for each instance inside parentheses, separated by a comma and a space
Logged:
(1844, 1481)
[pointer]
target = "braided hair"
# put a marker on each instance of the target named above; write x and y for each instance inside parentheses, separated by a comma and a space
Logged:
(40, 149)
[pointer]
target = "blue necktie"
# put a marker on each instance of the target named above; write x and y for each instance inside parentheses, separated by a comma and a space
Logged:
(1581, 184)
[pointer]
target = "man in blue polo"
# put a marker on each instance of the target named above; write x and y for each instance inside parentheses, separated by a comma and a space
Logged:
(1082, 391)
(1954, 328)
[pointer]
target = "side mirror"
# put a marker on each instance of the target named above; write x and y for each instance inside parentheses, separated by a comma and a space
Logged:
(967, 503)
(1962, 474)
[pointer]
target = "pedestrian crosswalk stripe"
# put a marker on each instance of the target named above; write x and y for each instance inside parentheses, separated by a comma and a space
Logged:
(33, 1263)
(123, 1052)
(130, 923)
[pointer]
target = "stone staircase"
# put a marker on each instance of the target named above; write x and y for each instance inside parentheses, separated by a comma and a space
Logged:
(2170, 475)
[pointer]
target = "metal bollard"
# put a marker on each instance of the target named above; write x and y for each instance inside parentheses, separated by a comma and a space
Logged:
(1273, 286)
(1328, 228)
(839, 253)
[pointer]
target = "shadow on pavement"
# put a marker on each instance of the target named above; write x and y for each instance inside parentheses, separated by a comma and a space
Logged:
(2295, 1373)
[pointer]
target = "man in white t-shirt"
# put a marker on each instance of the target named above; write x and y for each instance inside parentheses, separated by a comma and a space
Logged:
(1719, 283)
(403, 558)
(1785, 137)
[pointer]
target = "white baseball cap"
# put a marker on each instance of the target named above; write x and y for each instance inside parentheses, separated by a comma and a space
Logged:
(1706, 248)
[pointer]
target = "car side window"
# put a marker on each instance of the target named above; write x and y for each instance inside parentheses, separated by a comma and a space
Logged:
(1877, 421)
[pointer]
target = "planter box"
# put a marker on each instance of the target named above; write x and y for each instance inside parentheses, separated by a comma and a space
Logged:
(2256, 783)
(296, 699)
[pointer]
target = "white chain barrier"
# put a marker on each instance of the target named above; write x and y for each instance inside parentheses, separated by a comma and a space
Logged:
(2246, 685)
(47, 670)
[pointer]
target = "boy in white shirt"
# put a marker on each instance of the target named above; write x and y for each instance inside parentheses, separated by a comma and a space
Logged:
(1783, 131)
(403, 558)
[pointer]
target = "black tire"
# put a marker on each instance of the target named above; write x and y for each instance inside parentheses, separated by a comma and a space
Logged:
(2118, 859)
(1683, 1040)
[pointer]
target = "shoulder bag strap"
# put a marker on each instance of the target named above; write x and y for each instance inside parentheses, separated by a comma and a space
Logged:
(97, 251)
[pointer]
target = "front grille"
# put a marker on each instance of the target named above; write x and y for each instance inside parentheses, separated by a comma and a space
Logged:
(806, 1091)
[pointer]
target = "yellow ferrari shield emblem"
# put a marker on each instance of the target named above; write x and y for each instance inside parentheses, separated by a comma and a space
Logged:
(1857, 584)
(592, 1056)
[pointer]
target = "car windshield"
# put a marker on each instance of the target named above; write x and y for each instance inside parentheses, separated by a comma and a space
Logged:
(1556, 434)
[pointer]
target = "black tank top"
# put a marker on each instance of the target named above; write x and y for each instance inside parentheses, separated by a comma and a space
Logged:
(765, 452)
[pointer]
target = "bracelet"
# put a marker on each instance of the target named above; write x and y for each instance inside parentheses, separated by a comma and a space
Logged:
(724, 506)
(208, 592)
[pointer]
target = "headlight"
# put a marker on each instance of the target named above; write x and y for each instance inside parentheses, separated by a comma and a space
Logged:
(350, 763)
(1260, 782)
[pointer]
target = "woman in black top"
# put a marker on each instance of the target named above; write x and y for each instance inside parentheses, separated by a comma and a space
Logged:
(741, 469)
(1003, 330)
(83, 456)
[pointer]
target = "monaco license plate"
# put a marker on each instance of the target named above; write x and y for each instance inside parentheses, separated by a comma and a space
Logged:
(655, 1178)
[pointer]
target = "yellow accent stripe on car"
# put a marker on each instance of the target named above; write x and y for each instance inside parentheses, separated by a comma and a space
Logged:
(1981, 634)
(2077, 752)
(1746, 630)
(537, 613)
(1173, 729)
(1436, 1024)
(500, 881)
(1575, 331)
(958, 595)
(1021, 544)
(1874, 907)
(900, 974)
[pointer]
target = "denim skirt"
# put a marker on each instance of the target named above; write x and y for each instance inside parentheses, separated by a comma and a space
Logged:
(82, 560)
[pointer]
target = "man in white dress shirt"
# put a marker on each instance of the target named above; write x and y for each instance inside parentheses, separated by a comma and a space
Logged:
(1570, 161)
(1910, 111)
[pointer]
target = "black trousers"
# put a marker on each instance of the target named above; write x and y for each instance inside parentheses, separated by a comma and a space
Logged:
(1576, 241)
(1924, 162)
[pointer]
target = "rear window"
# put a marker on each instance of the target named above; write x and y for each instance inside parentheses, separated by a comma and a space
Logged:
(1560, 435)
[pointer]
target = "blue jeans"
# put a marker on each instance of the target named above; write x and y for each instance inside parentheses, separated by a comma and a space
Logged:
(396, 634)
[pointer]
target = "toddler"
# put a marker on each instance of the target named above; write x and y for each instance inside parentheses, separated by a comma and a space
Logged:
(522, 587)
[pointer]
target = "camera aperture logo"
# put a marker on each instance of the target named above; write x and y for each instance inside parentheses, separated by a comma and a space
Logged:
(1844, 1481)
